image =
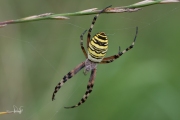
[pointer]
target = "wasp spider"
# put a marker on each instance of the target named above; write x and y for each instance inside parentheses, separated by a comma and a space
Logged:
(97, 48)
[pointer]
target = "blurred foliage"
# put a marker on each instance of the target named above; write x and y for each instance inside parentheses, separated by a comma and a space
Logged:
(141, 85)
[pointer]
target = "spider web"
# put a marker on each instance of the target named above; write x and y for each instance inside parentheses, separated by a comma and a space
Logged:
(44, 66)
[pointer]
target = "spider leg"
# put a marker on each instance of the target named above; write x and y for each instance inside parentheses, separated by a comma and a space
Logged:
(66, 77)
(81, 43)
(112, 58)
(89, 89)
(92, 25)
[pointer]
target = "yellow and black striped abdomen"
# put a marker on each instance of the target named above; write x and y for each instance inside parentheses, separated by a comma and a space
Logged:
(98, 47)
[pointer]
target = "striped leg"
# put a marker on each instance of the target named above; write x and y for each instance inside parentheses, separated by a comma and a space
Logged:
(91, 27)
(81, 43)
(89, 89)
(112, 58)
(66, 77)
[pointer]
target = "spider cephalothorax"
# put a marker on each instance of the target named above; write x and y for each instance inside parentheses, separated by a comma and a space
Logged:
(97, 48)
(89, 65)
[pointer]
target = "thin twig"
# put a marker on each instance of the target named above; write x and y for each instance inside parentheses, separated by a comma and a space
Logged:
(16, 110)
(49, 16)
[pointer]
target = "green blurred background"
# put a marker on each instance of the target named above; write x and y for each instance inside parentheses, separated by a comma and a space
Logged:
(142, 85)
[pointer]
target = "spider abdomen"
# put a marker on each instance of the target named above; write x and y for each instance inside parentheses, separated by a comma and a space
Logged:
(98, 47)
